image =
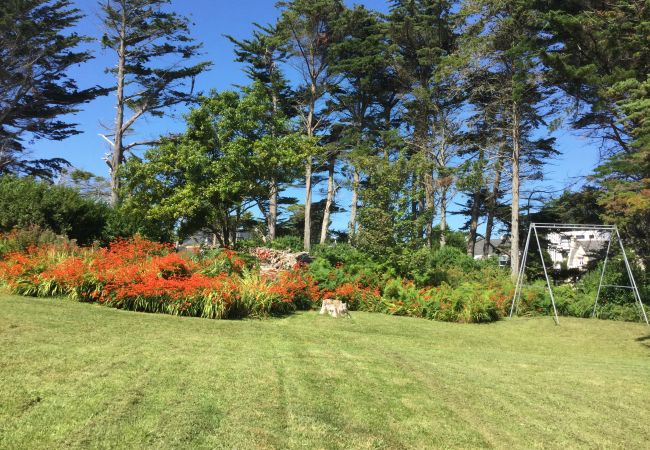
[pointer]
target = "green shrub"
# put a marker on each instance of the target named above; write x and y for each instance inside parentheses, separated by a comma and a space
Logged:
(401, 298)
(344, 254)
(26, 202)
(419, 265)
(468, 303)
(20, 239)
(611, 311)
(453, 257)
(292, 243)
(335, 265)
(124, 223)
(434, 267)
(244, 245)
(578, 299)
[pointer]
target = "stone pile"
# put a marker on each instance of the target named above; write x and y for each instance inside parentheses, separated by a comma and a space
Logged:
(272, 261)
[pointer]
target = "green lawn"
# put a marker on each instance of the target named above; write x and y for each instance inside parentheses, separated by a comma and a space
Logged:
(83, 376)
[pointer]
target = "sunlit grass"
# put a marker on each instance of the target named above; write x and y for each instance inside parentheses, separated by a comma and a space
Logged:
(81, 376)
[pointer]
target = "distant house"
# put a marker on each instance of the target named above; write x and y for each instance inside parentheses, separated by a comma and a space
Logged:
(576, 249)
(198, 240)
(498, 247)
(208, 239)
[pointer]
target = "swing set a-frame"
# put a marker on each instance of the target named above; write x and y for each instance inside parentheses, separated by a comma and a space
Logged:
(612, 232)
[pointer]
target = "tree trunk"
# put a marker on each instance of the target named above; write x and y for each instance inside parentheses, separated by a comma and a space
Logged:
(473, 222)
(443, 217)
(225, 233)
(235, 226)
(429, 205)
(444, 186)
(273, 209)
(475, 210)
(352, 224)
(217, 236)
(272, 219)
(514, 233)
(308, 188)
(492, 202)
(423, 183)
(330, 200)
(308, 169)
(118, 150)
(417, 233)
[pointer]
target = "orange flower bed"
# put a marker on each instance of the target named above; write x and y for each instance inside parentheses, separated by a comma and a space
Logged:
(141, 275)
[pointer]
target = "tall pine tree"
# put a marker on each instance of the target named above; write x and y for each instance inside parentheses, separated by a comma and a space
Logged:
(599, 54)
(36, 52)
(422, 37)
(503, 39)
(263, 54)
(309, 26)
(153, 47)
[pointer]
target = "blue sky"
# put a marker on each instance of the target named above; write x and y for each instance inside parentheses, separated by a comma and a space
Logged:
(213, 19)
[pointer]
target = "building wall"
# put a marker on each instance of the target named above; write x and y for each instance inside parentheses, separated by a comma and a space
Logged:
(574, 247)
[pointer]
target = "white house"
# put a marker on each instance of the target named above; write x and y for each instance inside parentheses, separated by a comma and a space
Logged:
(575, 248)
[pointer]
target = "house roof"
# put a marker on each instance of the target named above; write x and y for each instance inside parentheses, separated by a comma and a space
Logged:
(497, 246)
(591, 245)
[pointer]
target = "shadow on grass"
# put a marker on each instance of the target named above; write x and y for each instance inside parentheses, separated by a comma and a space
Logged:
(644, 340)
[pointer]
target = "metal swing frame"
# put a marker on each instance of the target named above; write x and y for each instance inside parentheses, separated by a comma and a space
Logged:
(611, 229)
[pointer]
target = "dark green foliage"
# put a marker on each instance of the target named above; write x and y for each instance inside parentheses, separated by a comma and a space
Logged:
(293, 225)
(26, 202)
(293, 243)
(468, 303)
(572, 207)
(360, 59)
(423, 266)
(337, 264)
(123, 222)
(207, 178)
(598, 53)
(37, 48)
(504, 46)
(602, 56)
(613, 303)
(376, 233)
(341, 254)
(263, 54)
(422, 39)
